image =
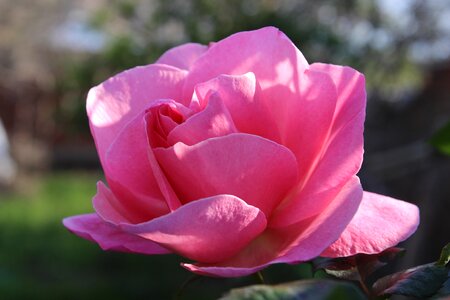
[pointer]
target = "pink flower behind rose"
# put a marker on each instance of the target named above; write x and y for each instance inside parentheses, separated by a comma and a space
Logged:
(237, 156)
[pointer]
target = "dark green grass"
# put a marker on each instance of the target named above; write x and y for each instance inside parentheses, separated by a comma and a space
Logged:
(40, 259)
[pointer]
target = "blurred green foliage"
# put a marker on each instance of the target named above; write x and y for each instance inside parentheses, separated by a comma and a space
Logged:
(441, 139)
(138, 32)
(40, 259)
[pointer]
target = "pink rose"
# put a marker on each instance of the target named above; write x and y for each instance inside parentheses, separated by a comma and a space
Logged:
(236, 155)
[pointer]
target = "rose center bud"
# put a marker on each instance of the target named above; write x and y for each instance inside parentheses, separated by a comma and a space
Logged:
(161, 120)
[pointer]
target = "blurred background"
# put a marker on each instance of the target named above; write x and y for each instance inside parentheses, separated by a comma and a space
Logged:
(53, 51)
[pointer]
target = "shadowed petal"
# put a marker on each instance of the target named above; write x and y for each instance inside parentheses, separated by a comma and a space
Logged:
(110, 237)
(111, 210)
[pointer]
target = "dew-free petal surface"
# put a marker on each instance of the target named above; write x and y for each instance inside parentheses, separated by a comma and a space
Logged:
(110, 209)
(110, 237)
(113, 211)
(341, 154)
(182, 56)
(130, 174)
(241, 95)
(351, 91)
(303, 118)
(381, 222)
(115, 102)
(343, 150)
(266, 52)
(213, 121)
(292, 244)
(238, 164)
(208, 230)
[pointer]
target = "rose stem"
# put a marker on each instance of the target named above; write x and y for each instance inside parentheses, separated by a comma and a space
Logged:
(260, 277)
(362, 282)
(183, 286)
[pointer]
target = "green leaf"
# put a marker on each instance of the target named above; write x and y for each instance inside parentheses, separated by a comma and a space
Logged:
(356, 267)
(350, 274)
(441, 139)
(339, 263)
(422, 281)
(303, 289)
(445, 256)
(444, 291)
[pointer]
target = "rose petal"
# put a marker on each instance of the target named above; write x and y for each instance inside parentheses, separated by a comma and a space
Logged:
(109, 208)
(266, 52)
(304, 117)
(291, 210)
(213, 121)
(342, 150)
(289, 90)
(131, 175)
(293, 244)
(237, 164)
(207, 230)
(381, 222)
(162, 117)
(183, 56)
(164, 185)
(351, 90)
(115, 102)
(109, 237)
(242, 97)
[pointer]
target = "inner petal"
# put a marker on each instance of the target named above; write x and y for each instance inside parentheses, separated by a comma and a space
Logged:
(238, 164)
(162, 118)
(241, 95)
(213, 121)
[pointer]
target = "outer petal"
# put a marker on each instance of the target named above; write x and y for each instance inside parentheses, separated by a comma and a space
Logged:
(207, 230)
(109, 237)
(213, 121)
(183, 56)
(380, 223)
(266, 52)
(350, 85)
(293, 244)
(237, 164)
(342, 151)
(300, 101)
(115, 102)
(304, 117)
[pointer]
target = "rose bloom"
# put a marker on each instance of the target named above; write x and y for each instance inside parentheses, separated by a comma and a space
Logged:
(236, 155)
